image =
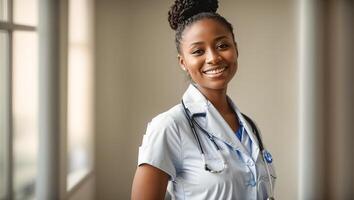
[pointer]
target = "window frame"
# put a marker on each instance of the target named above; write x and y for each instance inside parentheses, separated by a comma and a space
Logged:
(57, 182)
(9, 26)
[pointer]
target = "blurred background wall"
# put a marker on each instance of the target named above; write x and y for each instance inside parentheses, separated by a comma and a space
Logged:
(326, 97)
(80, 80)
(137, 77)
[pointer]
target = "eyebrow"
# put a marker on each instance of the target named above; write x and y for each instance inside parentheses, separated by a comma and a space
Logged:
(216, 39)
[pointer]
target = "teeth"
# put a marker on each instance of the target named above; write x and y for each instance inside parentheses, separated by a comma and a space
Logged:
(215, 71)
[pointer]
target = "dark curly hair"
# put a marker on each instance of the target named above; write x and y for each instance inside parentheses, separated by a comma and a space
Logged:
(183, 13)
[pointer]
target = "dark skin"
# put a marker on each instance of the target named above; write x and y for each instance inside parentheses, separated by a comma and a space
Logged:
(209, 55)
(203, 49)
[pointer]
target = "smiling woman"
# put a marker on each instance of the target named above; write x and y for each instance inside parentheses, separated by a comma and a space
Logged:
(209, 55)
(203, 148)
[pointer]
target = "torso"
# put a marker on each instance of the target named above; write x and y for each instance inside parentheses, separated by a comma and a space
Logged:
(170, 145)
(235, 182)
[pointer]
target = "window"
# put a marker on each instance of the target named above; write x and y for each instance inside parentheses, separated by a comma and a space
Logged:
(80, 92)
(25, 112)
(3, 10)
(25, 12)
(19, 110)
(19, 107)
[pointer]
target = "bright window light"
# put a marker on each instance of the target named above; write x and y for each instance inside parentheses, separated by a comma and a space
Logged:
(80, 92)
(25, 112)
(25, 12)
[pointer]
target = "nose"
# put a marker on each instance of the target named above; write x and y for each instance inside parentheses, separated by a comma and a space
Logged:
(213, 57)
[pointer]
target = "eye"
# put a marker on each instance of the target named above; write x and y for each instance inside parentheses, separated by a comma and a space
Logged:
(198, 52)
(222, 46)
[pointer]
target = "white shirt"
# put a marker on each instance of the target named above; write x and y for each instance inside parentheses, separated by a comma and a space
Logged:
(170, 146)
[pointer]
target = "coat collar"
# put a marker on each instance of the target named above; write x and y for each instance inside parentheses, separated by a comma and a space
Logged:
(195, 101)
(251, 134)
(198, 105)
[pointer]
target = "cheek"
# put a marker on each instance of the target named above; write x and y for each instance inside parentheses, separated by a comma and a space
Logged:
(231, 57)
(194, 64)
(232, 60)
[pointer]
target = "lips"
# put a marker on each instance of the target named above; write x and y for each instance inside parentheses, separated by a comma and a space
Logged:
(215, 71)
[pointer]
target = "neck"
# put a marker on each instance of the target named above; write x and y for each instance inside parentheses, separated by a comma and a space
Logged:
(218, 98)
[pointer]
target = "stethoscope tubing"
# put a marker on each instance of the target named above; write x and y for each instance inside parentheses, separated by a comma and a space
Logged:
(192, 122)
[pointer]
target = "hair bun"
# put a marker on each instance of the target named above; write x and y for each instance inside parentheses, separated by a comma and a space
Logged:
(181, 10)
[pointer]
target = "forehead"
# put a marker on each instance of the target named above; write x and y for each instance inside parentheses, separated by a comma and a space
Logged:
(204, 29)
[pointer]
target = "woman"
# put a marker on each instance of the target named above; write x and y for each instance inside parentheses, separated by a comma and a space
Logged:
(203, 148)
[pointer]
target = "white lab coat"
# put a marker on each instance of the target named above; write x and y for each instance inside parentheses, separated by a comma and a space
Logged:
(169, 145)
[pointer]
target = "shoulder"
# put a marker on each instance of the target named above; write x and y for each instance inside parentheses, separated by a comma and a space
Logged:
(170, 119)
(163, 131)
(162, 143)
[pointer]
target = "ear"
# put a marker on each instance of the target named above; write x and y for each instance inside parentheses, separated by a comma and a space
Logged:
(181, 62)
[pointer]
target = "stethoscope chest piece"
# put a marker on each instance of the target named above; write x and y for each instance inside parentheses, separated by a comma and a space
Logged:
(267, 156)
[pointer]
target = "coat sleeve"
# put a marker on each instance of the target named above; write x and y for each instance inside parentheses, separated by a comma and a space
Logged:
(161, 146)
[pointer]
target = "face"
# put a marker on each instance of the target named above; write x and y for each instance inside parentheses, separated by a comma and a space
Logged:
(208, 54)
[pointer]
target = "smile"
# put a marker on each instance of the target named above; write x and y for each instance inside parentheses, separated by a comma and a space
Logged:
(215, 71)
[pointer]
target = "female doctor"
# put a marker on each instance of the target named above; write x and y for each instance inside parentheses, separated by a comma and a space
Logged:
(204, 147)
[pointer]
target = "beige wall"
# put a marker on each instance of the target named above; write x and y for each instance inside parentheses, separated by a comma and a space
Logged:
(137, 77)
(84, 190)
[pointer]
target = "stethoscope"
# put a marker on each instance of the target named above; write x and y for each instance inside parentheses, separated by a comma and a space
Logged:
(267, 157)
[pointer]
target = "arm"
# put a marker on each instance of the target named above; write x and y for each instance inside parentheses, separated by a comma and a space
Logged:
(149, 183)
